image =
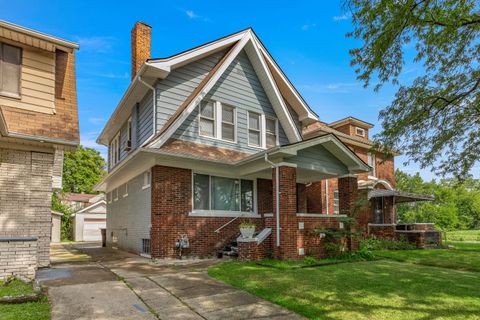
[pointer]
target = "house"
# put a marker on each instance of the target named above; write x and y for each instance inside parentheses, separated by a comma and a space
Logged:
(88, 221)
(38, 122)
(77, 201)
(217, 135)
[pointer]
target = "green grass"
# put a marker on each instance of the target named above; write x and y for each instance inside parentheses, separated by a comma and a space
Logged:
(382, 289)
(465, 256)
(463, 235)
(39, 310)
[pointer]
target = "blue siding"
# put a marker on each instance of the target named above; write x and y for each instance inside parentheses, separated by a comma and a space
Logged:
(145, 119)
(240, 87)
(318, 157)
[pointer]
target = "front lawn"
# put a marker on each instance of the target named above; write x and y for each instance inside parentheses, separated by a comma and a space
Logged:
(382, 289)
(464, 256)
(463, 235)
(39, 310)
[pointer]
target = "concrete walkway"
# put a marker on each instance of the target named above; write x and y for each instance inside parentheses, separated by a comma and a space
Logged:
(117, 285)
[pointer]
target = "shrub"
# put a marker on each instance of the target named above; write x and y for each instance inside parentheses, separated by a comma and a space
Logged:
(372, 244)
(309, 260)
(247, 225)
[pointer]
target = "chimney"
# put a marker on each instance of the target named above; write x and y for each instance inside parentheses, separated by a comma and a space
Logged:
(141, 34)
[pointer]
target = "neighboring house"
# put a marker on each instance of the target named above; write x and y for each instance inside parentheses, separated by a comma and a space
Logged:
(56, 235)
(77, 201)
(38, 122)
(88, 221)
(217, 135)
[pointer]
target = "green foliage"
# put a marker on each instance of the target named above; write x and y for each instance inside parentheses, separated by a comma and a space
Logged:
(82, 170)
(309, 260)
(463, 235)
(372, 244)
(434, 118)
(15, 287)
(456, 205)
(67, 226)
(247, 225)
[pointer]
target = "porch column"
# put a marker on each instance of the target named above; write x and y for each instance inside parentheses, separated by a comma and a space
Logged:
(347, 197)
(288, 215)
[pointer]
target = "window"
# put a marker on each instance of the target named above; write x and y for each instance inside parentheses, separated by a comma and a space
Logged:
(207, 119)
(271, 132)
(115, 151)
(146, 179)
(223, 194)
(228, 123)
(360, 131)
(217, 121)
(109, 197)
(124, 189)
(10, 64)
(371, 163)
(254, 129)
(145, 246)
(336, 202)
(128, 146)
(115, 194)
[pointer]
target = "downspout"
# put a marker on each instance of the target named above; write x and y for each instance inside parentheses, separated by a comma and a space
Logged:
(154, 102)
(277, 199)
(326, 196)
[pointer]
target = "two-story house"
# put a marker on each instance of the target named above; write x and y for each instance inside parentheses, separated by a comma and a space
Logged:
(38, 122)
(217, 135)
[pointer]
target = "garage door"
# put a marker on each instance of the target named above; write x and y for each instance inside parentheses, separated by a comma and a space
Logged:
(91, 229)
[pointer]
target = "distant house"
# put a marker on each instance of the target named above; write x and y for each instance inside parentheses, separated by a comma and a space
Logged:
(38, 122)
(88, 221)
(77, 201)
(217, 135)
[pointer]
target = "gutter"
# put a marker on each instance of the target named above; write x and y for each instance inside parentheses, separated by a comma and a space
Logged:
(277, 199)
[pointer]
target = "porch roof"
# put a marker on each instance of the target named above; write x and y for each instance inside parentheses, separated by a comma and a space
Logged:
(400, 196)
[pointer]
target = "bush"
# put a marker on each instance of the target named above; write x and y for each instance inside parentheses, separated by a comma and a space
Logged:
(372, 244)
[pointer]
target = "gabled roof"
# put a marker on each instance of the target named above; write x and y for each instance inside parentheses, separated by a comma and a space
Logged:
(92, 206)
(351, 120)
(277, 86)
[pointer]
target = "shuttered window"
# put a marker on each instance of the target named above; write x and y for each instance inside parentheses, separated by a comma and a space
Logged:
(10, 64)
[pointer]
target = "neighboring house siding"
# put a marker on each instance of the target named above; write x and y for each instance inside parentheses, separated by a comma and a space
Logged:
(37, 85)
(174, 90)
(239, 87)
(318, 157)
(129, 218)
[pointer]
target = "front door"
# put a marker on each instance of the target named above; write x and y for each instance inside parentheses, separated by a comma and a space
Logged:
(378, 210)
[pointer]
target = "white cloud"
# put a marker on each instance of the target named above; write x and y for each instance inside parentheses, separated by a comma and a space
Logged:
(97, 44)
(308, 26)
(96, 121)
(194, 16)
(111, 75)
(338, 87)
(341, 17)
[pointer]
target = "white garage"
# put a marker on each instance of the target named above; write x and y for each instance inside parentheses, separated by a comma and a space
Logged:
(88, 222)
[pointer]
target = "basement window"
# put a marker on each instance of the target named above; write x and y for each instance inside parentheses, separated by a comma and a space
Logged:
(146, 249)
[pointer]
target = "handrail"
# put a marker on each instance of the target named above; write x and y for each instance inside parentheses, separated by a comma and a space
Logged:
(226, 224)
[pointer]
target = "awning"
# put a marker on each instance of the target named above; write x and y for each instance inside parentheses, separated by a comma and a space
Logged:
(400, 196)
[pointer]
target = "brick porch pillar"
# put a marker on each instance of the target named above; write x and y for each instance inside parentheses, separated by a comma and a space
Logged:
(347, 198)
(288, 213)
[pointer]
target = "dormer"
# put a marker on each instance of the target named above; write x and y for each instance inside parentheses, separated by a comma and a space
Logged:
(352, 126)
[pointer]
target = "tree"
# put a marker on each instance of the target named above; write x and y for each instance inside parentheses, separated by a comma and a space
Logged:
(82, 170)
(435, 120)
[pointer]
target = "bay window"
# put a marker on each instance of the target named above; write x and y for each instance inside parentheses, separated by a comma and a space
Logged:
(222, 194)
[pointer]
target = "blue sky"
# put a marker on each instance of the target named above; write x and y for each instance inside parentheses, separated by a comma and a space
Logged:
(307, 39)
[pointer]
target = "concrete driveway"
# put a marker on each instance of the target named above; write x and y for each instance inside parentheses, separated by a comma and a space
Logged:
(112, 284)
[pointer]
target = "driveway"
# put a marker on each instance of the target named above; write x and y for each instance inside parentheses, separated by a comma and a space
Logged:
(113, 284)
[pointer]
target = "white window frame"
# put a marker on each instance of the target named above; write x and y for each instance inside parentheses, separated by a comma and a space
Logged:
(147, 179)
(372, 163)
(109, 197)
(218, 121)
(129, 130)
(115, 150)
(11, 94)
(361, 130)
(223, 213)
(276, 131)
(115, 194)
(125, 189)
(336, 202)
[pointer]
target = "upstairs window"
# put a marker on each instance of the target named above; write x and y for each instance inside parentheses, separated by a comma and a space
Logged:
(371, 163)
(218, 121)
(271, 129)
(128, 145)
(207, 119)
(115, 151)
(254, 129)
(360, 131)
(10, 66)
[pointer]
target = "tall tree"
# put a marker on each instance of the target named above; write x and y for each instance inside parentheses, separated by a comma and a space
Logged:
(82, 169)
(435, 120)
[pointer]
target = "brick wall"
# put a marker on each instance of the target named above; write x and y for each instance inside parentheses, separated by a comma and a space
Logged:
(252, 251)
(141, 34)
(25, 197)
(18, 257)
(385, 231)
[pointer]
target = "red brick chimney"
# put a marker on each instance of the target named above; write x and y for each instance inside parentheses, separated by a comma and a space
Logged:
(141, 38)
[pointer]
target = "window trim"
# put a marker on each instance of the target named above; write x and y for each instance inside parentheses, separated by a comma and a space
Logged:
(372, 156)
(363, 132)
(277, 141)
(337, 211)
(146, 183)
(115, 151)
(223, 213)
(218, 121)
(20, 68)
(261, 130)
(126, 190)
(115, 191)
(109, 197)
(129, 135)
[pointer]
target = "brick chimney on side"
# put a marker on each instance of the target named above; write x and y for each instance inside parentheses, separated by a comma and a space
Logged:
(141, 40)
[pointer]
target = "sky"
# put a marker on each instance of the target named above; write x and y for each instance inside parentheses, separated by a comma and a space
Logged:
(306, 38)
